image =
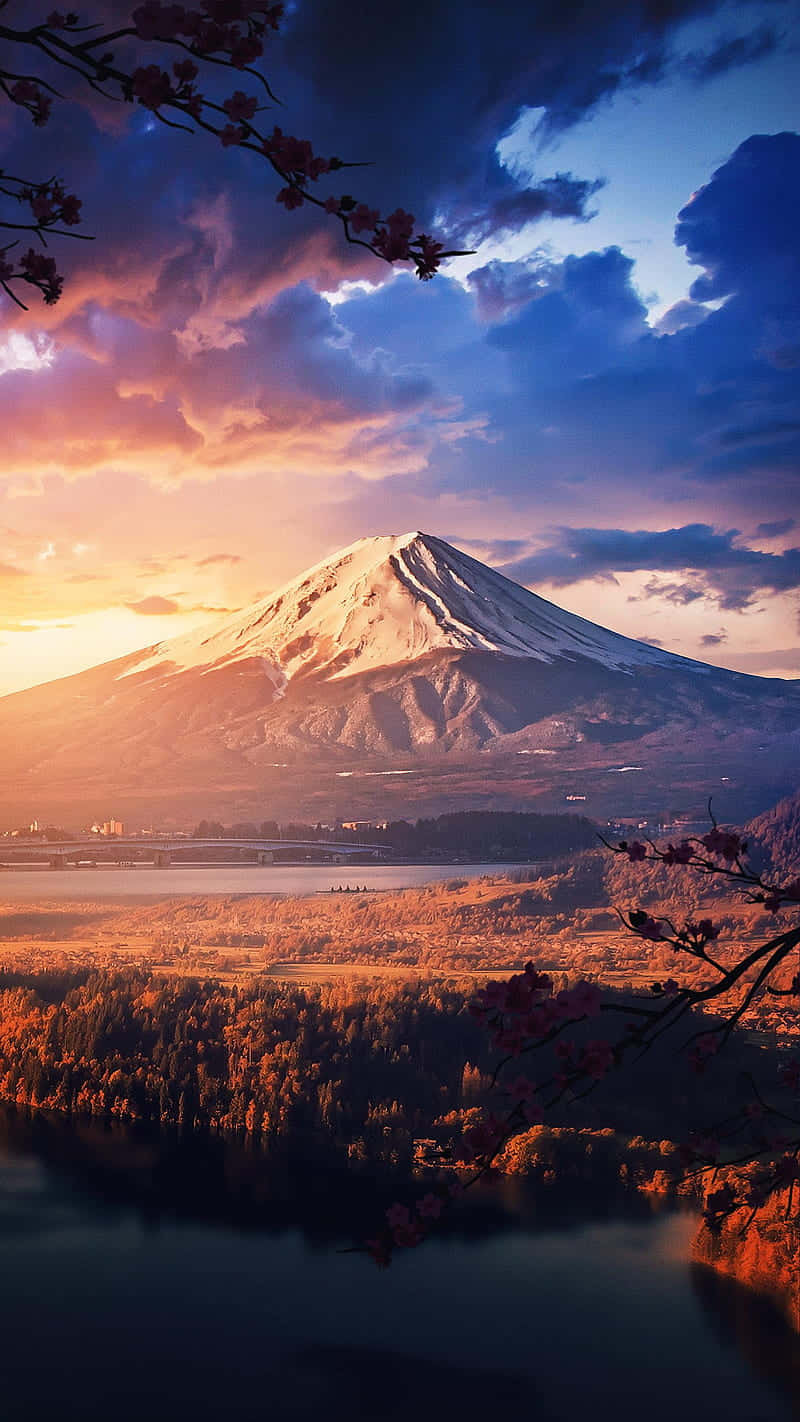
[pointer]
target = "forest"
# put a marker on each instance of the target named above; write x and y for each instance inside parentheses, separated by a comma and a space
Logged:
(469, 834)
(374, 1070)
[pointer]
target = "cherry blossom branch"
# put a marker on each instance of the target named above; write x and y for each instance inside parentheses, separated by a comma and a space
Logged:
(524, 1015)
(224, 33)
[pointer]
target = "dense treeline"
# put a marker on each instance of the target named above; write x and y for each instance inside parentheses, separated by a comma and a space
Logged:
(370, 1066)
(473, 834)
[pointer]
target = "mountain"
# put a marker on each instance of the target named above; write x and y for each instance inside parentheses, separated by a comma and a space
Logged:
(400, 663)
(777, 831)
(385, 601)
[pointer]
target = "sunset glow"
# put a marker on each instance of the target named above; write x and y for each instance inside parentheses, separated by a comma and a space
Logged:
(231, 394)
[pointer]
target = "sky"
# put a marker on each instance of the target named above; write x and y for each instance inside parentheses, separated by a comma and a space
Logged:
(602, 400)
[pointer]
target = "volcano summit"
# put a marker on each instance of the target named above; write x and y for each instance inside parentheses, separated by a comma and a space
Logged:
(397, 653)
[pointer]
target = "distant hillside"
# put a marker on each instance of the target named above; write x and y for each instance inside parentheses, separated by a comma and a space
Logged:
(777, 831)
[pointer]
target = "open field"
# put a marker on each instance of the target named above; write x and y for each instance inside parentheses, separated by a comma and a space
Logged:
(565, 922)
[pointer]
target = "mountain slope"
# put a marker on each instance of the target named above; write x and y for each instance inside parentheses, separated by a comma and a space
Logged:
(397, 657)
(778, 832)
(389, 600)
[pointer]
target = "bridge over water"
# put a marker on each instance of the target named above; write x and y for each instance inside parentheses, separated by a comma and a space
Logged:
(160, 849)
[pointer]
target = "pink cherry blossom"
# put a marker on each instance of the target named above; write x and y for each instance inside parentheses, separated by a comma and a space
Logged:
(725, 843)
(635, 852)
(231, 135)
(521, 1088)
(380, 1250)
(363, 218)
(240, 107)
(398, 1216)
(597, 1058)
(400, 223)
(678, 854)
(151, 86)
(290, 198)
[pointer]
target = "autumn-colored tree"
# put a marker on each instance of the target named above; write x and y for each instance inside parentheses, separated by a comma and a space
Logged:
(751, 1153)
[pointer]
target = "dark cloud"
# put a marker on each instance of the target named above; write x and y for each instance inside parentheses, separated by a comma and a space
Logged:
(732, 53)
(421, 94)
(713, 639)
(776, 529)
(154, 606)
(218, 558)
(434, 68)
(679, 594)
(561, 196)
(591, 394)
(582, 324)
(742, 226)
(722, 568)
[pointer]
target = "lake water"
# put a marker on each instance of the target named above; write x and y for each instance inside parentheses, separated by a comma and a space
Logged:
(143, 880)
(167, 1281)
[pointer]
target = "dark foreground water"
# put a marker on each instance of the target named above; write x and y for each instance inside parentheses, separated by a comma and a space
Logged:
(156, 1280)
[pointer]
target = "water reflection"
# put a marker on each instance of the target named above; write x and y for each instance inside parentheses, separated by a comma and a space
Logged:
(166, 1176)
(149, 1276)
(753, 1326)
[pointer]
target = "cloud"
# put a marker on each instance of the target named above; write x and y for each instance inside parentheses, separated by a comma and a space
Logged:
(776, 529)
(491, 550)
(8, 570)
(742, 225)
(680, 315)
(503, 288)
(713, 639)
(432, 70)
(218, 558)
(154, 606)
(722, 568)
(561, 196)
(12, 626)
(698, 409)
(732, 53)
(197, 345)
(289, 394)
(678, 594)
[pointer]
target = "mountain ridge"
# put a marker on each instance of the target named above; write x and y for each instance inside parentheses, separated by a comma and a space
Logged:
(392, 599)
(399, 657)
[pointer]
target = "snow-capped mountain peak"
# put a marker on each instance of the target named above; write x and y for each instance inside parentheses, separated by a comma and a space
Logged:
(389, 600)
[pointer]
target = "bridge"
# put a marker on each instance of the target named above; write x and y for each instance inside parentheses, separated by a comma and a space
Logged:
(159, 849)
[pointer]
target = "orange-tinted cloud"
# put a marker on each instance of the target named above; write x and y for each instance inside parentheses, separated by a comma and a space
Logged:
(154, 606)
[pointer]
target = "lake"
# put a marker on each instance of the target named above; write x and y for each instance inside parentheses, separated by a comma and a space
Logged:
(298, 879)
(158, 1278)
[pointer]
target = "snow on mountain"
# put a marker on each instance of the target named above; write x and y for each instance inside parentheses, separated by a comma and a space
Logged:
(390, 600)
